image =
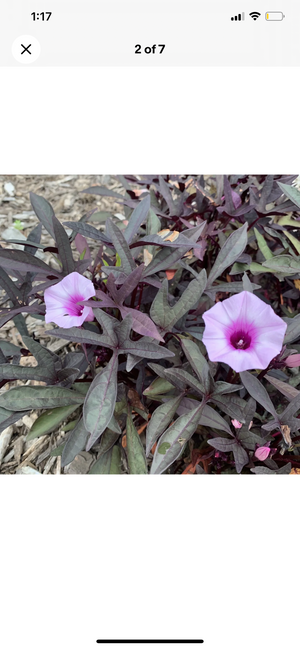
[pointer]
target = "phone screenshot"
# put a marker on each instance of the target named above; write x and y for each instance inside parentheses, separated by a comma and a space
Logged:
(149, 323)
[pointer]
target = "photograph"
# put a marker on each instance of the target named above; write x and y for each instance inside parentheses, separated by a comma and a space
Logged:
(150, 324)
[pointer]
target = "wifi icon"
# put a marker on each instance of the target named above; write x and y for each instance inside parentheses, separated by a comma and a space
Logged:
(255, 15)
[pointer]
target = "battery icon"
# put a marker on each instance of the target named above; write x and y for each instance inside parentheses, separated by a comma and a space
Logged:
(274, 15)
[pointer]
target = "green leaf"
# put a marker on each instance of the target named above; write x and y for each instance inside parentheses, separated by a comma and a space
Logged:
(49, 421)
(166, 316)
(197, 361)
(222, 444)
(229, 253)
(263, 246)
(107, 441)
(108, 463)
(291, 192)
(240, 457)
(135, 450)
(121, 246)
(257, 391)
(293, 240)
(231, 404)
(11, 372)
(146, 349)
(64, 246)
(75, 443)
(283, 264)
(100, 401)
(221, 387)
(211, 417)
(33, 397)
(293, 329)
(176, 437)
(108, 324)
(186, 378)
(158, 386)
(160, 420)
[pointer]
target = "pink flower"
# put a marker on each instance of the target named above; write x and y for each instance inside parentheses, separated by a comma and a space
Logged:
(243, 332)
(262, 453)
(293, 360)
(62, 301)
(236, 423)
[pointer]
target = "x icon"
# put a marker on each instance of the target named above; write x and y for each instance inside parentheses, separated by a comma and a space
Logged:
(25, 49)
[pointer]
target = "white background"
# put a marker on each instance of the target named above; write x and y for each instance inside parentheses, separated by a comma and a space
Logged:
(209, 557)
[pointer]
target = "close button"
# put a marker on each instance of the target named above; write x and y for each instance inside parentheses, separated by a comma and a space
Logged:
(26, 49)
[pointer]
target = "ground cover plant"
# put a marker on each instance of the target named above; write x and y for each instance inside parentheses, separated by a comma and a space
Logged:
(181, 327)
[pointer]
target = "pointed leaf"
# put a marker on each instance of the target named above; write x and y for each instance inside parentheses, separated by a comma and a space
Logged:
(108, 463)
(87, 231)
(221, 387)
(158, 386)
(50, 420)
(32, 397)
(211, 417)
(164, 261)
(44, 212)
(135, 450)
(9, 417)
(64, 246)
(240, 457)
(146, 349)
(121, 246)
(175, 379)
(293, 329)
(24, 261)
(160, 420)
(75, 443)
(257, 391)
(108, 324)
(222, 444)
(173, 441)
(231, 404)
(81, 336)
(197, 361)
(285, 388)
(100, 401)
(130, 283)
(229, 253)
(290, 410)
(291, 192)
(136, 219)
(141, 323)
(10, 372)
(186, 378)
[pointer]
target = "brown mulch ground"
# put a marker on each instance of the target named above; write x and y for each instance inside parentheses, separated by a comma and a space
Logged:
(63, 192)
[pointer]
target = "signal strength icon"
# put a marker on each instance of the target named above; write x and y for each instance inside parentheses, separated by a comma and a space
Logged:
(255, 15)
(238, 17)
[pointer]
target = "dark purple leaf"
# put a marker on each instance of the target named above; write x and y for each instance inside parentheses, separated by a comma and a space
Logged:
(21, 260)
(240, 457)
(257, 391)
(136, 219)
(64, 246)
(75, 443)
(146, 349)
(100, 401)
(44, 212)
(222, 444)
(121, 246)
(88, 231)
(10, 314)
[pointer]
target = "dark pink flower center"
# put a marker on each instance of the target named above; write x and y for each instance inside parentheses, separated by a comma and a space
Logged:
(240, 339)
(73, 308)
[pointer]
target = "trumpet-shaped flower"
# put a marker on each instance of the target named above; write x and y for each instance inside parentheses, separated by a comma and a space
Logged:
(62, 301)
(243, 332)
